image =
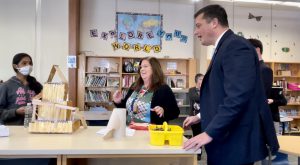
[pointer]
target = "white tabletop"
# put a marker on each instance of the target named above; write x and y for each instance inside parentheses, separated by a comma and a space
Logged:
(83, 141)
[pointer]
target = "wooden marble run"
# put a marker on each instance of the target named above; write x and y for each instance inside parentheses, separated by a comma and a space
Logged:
(53, 114)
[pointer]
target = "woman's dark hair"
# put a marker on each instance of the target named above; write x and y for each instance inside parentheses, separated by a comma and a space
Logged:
(157, 78)
(197, 76)
(32, 83)
(213, 11)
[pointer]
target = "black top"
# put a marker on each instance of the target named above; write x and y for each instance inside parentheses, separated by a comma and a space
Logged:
(278, 100)
(194, 96)
(163, 97)
(272, 93)
(266, 76)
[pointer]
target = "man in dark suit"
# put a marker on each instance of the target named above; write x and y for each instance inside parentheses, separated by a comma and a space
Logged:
(235, 117)
(194, 97)
(266, 72)
(275, 96)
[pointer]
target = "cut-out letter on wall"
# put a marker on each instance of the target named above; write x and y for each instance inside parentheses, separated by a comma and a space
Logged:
(169, 37)
(126, 46)
(112, 33)
(115, 45)
(150, 35)
(122, 36)
(147, 48)
(136, 47)
(177, 33)
(183, 38)
(140, 35)
(93, 33)
(156, 48)
(130, 34)
(104, 35)
(161, 33)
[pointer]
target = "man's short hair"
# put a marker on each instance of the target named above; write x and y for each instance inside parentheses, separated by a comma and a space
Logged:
(214, 11)
(257, 44)
(197, 76)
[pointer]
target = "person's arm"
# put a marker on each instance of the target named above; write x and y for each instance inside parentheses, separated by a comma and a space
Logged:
(122, 104)
(280, 100)
(5, 114)
(191, 101)
(165, 98)
(238, 65)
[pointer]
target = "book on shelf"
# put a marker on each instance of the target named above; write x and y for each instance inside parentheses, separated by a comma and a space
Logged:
(113, 68)
(97, 96)
(95, 81)
(113, 82)
(131, 65)
(176, 82)
(128, 80)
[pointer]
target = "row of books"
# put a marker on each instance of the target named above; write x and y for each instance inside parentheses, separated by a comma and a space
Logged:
(95, 81)
(97, 96)
(289, 112)
(281, 83)
(128, 80)
(175, 82)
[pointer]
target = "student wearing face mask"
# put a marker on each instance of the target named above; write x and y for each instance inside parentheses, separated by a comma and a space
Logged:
(18, 91)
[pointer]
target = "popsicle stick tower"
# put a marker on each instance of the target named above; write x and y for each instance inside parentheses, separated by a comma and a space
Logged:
(53, 114)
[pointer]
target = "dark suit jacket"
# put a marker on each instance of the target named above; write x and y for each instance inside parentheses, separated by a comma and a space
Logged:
(278, 100)
(194, 98)
(234, 107)
(267, 77)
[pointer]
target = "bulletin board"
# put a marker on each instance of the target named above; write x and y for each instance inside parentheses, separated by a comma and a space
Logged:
(137, 28)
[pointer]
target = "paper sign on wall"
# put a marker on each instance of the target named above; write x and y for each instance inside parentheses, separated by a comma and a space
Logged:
(71, 61)
(171, 65)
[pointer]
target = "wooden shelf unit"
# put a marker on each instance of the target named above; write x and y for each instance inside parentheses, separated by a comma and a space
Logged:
(283, 73)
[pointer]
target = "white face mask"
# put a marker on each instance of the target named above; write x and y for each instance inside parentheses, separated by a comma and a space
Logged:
(26, 70)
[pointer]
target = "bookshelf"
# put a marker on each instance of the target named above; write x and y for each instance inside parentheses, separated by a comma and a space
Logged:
(100, 76)
(284, 75)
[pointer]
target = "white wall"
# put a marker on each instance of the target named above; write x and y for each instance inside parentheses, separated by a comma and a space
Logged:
(286, 34)
(203, 53)
(17, 31)
(278, 28)
(47, 43)
(100, 14)
(54, 40)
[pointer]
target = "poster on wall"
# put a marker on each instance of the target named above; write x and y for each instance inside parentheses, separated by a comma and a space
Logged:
(137, 28)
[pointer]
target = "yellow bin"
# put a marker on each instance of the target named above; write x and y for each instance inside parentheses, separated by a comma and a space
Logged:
(165, 134)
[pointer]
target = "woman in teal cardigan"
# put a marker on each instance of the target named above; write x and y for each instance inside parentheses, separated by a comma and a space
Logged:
(149, 100)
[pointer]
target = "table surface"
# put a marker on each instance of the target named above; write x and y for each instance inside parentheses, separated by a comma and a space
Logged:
(289, 144)
(83, 142)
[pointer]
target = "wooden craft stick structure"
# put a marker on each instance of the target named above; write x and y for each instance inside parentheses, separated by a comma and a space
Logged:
(53, 114)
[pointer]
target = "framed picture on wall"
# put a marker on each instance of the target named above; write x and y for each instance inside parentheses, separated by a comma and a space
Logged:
(137, 28)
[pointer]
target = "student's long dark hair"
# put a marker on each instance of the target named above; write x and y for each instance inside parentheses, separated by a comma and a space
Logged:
(32, 83)
(157, 78)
